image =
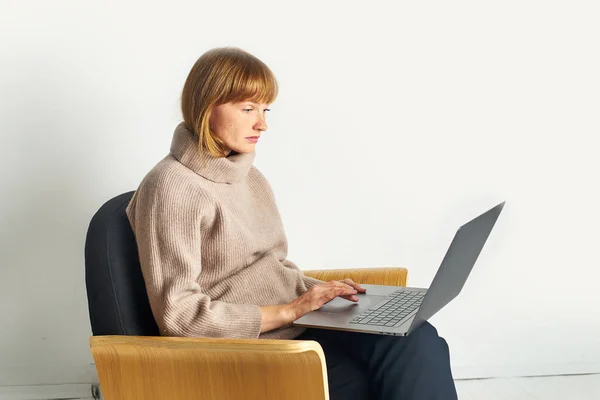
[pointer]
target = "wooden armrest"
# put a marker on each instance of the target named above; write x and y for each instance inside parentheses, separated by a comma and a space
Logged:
(166, 368)
(391, 276)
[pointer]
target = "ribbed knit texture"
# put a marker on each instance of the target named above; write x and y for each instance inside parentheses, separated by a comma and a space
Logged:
(212, 245)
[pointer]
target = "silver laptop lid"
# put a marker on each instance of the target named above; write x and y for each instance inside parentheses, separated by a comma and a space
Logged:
(457, 264)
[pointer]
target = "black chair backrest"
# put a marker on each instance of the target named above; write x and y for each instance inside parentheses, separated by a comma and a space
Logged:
(117, 298)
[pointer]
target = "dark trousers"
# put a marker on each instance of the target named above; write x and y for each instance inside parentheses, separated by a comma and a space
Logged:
(365, 366)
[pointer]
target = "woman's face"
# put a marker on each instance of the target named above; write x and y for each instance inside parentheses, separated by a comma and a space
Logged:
(239, 125)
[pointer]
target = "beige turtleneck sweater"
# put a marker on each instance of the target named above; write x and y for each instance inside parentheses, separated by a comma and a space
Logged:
(212, 245)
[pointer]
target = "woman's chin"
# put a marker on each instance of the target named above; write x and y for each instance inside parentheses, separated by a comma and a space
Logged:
(247, 148)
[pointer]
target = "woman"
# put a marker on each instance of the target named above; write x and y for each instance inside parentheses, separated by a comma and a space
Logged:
(213, 249)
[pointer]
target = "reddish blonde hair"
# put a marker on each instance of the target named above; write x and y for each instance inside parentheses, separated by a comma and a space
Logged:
(219, 76)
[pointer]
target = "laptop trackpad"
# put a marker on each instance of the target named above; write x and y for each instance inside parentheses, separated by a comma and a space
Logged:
(339, 305)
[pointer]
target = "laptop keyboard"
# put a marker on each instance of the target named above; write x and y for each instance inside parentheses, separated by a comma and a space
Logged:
(387, 314)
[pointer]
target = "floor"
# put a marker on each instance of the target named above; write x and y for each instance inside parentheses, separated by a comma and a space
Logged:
(570, 387)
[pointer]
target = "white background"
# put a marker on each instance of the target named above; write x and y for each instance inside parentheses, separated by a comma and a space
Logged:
(396, 123)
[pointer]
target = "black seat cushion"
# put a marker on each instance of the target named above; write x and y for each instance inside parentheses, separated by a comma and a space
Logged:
(117, 299)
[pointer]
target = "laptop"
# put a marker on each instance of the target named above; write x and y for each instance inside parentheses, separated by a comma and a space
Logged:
(398, 311)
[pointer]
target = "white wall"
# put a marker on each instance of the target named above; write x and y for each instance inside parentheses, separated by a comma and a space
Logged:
(394, 125)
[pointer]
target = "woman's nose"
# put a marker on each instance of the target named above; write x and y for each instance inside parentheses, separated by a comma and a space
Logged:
(261, 124)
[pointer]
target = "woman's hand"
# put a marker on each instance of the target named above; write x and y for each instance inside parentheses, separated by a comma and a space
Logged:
(318, 295)
(356, 286)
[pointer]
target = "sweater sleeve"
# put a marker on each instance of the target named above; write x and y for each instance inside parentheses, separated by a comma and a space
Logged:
(166, 222)
(308, 281)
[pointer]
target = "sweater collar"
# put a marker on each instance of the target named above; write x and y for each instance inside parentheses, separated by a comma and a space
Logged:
(231, 169)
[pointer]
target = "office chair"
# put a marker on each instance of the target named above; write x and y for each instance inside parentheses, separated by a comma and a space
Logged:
(134, 362)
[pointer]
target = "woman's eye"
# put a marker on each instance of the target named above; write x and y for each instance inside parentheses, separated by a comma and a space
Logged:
(247, 109)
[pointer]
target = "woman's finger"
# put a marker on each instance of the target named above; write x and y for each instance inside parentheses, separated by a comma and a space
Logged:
(350, 297)
(355, 285)
(341, 284)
